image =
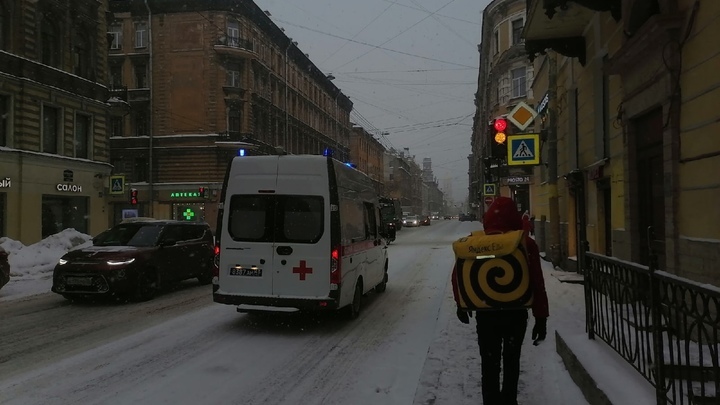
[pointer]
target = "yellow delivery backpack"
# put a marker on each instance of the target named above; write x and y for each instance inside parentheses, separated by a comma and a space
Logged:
(492, 271)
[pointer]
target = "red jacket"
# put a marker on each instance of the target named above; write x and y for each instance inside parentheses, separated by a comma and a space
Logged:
(502, 216)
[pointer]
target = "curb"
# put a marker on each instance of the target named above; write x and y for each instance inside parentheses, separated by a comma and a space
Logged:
(593, 394)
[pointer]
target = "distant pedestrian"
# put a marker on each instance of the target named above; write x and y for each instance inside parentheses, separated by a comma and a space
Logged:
(501, 332)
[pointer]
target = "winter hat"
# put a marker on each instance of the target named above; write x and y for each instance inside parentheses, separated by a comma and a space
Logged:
(502, 216)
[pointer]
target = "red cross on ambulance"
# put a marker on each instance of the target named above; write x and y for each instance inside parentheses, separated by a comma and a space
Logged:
(302, 270)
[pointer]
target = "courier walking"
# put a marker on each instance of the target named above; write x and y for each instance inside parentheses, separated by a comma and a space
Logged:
(497, 276)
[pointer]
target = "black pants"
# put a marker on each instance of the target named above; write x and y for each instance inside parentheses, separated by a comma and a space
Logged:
(500, 337)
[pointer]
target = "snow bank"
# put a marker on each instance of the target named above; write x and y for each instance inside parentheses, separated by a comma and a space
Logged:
(39, 259)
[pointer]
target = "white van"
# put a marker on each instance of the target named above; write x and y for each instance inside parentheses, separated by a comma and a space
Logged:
(297, 232)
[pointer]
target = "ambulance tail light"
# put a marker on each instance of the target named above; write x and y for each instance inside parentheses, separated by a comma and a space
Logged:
(216, 263)
(335, 271)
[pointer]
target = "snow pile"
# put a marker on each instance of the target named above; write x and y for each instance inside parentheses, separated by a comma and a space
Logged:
(39, 259)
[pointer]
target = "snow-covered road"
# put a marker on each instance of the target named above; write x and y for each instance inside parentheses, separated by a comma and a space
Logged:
(406, 347)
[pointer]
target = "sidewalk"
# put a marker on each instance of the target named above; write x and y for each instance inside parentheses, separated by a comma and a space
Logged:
(602, 375)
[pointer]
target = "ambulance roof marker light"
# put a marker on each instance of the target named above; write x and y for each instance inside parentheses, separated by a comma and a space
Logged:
(241, 152)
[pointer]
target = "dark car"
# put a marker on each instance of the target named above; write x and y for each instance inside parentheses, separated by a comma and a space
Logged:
(4, 267)
(136, 259)
(425, 221)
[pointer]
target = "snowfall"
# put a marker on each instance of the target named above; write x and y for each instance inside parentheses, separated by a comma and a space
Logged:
(435, 364)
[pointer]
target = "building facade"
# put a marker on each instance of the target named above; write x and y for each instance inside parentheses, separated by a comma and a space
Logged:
(504, 81)
(207, 81)
(366, 153)
(54, 152)
(633, 90)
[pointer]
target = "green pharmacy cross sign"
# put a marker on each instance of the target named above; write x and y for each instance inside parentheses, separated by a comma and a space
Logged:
(185, 194)
(188, 214)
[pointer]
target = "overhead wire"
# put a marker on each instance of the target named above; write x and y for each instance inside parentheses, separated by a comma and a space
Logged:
(395, 36)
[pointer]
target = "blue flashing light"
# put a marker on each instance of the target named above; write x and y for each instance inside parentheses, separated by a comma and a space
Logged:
(241, 152)
(327, 152)
(353, 165)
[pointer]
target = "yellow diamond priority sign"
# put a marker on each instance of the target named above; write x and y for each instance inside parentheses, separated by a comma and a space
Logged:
(522, 115)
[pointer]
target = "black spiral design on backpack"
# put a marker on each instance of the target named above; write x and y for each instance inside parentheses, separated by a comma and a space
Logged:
(495, 283)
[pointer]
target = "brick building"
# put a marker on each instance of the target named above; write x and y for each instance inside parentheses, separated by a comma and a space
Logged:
(54, 154)
(205, 80)
(366, 152)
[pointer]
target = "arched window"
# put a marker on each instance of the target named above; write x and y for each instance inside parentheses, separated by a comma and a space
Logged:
(50, 40)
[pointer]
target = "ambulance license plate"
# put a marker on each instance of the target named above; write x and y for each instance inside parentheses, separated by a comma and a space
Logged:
(234, 271)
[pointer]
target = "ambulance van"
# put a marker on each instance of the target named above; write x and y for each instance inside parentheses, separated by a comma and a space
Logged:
(298, 232)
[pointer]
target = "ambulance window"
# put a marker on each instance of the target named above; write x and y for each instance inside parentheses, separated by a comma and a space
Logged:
(300, 219)
(352, 221)
(251, 218)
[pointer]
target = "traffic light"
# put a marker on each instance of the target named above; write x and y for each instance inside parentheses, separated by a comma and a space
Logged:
(500, 126)
(133, 196)
(203, 192)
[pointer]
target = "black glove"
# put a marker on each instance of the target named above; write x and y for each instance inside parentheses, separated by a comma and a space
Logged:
(539, 331)
(463, 316)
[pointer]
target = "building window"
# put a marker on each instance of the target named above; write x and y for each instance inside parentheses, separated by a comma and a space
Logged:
(142, 123)
(50, 129)
(233, 33)
(496, 42)
(116, 35)
(5, 111)
(83, 131)
(517, 29)
(519, 86)
(50, 42)
(82, 54)
(116, 126)
(140, 169)
(4, 26)
(59, 212)
(141, 35)
(233, 75)
(234, 120)
(141, 73)
(116, 81)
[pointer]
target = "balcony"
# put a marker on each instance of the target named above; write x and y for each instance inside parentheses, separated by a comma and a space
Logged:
(559, 25)
(235, 46)
(120, 92)
(138, 95)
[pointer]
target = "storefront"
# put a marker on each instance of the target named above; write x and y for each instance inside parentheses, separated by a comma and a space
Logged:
(42, 195)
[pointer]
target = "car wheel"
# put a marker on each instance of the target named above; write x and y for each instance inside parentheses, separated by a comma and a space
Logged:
(380, 288)
(353, 310)
(206, 278)
(144, 287)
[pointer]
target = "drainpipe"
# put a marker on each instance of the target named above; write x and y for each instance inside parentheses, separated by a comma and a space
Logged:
(150, 117)
(286, 136)
(554, 209)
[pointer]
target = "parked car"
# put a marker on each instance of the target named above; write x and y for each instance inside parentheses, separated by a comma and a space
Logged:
(136, 259)
(4, 267)
(411, 220)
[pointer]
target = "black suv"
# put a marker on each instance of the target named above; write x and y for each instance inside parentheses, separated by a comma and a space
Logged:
(136, 259)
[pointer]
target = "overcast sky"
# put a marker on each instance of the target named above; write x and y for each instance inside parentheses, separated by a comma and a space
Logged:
(409, 66)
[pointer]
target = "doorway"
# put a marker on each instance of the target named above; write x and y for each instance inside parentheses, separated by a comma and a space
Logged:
(650, 191)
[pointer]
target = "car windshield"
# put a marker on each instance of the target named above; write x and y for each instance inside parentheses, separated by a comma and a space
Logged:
(139, 235)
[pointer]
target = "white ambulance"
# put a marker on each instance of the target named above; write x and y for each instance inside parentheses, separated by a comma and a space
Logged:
(298, 232)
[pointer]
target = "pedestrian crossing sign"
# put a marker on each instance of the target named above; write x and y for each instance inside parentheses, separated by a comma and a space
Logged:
(117, 184)
(523, 149)
(489, 189)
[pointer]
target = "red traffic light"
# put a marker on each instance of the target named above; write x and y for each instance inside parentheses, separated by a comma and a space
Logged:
(133, 196)
(500, 124)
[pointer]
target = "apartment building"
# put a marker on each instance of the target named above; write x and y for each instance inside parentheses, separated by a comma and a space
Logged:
(366, 154)
(504, 81)
(54, 107)
(637, 153)
(207, 81)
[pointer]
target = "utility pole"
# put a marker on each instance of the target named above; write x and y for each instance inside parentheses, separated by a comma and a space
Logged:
(552, 160)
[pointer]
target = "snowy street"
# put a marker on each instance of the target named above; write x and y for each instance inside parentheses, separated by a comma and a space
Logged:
(407, 347)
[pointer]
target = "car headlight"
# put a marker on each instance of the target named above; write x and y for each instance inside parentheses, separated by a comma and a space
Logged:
(120, 262)
(62, 261)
